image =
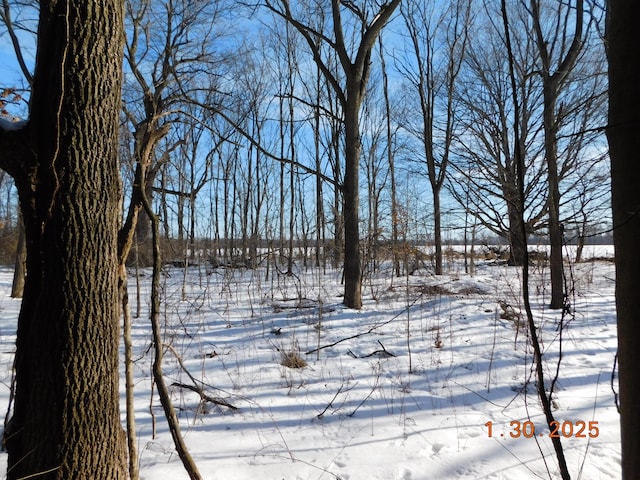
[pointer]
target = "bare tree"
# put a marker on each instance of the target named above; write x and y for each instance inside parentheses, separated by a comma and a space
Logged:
(287, 66)
(438, 39)
(355, 67)
(376, 171)
(391, 132)
(558, 57)
(161, 61)
(158, 376)
(545, 398)
(168, 70)
(485, 177)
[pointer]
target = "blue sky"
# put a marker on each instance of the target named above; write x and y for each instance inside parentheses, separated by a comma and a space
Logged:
(10, 74)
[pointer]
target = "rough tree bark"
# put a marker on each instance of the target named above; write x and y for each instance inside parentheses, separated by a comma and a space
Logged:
(623, 132)
(66, 421)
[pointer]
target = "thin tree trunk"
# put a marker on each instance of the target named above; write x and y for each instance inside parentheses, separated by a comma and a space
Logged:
(391, 162)
(338, 213)
(437, 229)
(129, 366)
(520, 202)
(292, 190)
(158, 376)
(320, 254)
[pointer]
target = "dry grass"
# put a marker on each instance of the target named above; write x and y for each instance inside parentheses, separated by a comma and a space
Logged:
(292, 359)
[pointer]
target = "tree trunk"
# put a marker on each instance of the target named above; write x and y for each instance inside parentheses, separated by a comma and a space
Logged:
(517, 244)
(391, 163)
(623, 132)
(437, 229)
(582, 237)
(66, 422)
(356, 73)
(556, 266)
(552, 83)
(338, 202)
(158, 375)
(320, 247)
(352, 274)
(129, 368)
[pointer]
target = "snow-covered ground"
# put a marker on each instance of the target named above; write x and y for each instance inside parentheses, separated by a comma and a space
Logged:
(403, 389)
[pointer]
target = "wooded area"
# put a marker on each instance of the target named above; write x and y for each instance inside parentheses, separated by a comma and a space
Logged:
(242, 144)
(162, 129)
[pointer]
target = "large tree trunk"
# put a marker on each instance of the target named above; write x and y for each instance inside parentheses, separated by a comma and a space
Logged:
(623, 133)
(66, 422)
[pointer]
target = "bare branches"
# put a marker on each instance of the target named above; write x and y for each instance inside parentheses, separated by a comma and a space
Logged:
(568, 58)
(5, 17)
(311, 36)
(198, 387)
(370, 331)
(255, 143)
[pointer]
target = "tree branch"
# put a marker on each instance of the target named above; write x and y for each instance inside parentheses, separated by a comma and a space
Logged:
(372, 32)
(308, 33)
(5, 16)
(16, 157)
(261, 149)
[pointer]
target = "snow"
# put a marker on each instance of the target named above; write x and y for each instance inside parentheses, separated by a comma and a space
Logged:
(355, 411)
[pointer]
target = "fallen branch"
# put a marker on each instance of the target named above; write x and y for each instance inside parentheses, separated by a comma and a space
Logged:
(330, 404)
(384, 351)
(195, 387)
(365, 398)
(371, 330)
(204, 396)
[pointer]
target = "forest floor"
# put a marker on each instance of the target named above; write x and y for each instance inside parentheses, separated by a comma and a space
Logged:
(432, 379)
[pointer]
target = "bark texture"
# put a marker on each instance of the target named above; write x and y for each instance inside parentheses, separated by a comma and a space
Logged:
(66, 422)
(623, 132)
